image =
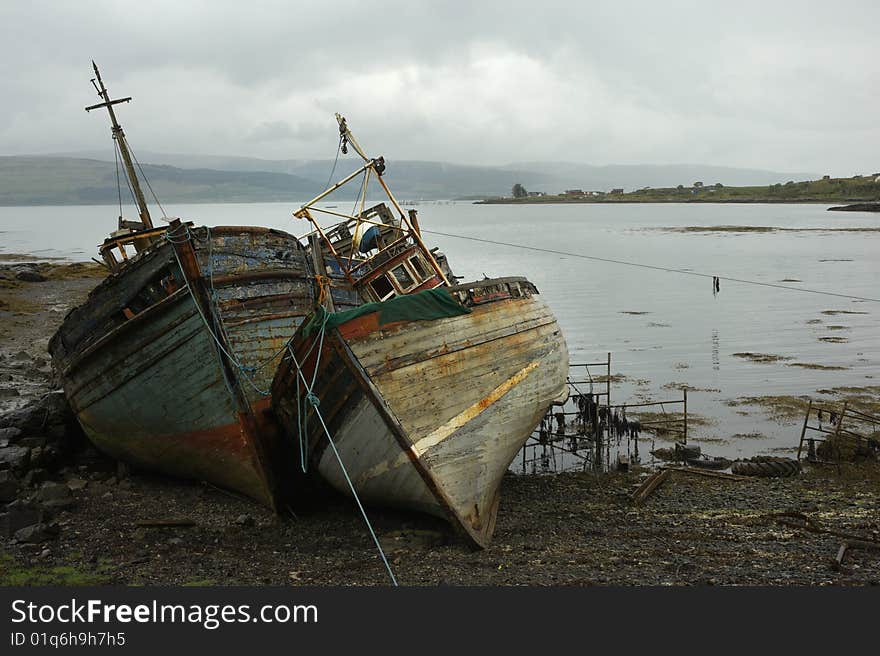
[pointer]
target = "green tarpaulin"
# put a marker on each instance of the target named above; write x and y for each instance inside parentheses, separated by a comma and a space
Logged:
(422, 306)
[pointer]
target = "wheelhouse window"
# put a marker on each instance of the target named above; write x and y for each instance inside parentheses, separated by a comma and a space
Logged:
(382, 287)
(403, 277)
(419, 268)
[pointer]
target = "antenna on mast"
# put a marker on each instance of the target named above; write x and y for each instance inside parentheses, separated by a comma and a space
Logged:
(119, 138)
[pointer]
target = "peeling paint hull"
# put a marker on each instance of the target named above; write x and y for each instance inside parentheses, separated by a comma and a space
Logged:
(428, 415)
(145, 376)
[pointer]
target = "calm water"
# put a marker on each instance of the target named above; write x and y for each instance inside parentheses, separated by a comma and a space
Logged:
(685, 334)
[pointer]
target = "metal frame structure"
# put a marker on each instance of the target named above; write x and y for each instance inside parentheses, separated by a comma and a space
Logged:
(405, 229)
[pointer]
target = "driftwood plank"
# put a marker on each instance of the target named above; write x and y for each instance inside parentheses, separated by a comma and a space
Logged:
(650, 484)
(703, 472)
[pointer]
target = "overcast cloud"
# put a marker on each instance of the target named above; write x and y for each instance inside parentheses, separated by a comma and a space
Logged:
(777, 85)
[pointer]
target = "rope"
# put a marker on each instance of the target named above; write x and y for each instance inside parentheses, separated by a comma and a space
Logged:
(315, 402)
(323, 288)
(243, 369)
(650, 266)
(311, 397)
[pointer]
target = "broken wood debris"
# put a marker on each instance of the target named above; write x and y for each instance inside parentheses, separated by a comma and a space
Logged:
(703, 472)
(650, 484)
(801, 521)
(845, 548)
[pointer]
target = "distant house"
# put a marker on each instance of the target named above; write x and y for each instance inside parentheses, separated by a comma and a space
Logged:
(574, 192)
(618, 190)
(537, 193)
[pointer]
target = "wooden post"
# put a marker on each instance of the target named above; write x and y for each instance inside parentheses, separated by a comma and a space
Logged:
(608, 394)
(837, 432)
(320, 268)
(804, 430)
(685, 414)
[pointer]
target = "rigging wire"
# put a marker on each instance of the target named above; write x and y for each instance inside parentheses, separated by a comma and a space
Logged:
(118, 185)
(146, 179)
(127, 181)
(335, 162)
(650, 266)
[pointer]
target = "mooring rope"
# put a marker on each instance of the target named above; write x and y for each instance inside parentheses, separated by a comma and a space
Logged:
(313, 399)
(248, 371)
(649, 266)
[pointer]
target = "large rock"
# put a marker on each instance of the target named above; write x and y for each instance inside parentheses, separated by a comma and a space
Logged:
(34, 477)
(51, 415)
(10, 434)
(29, 275)
(15, 457)
(50, 491)
(18, 515)
(37, 533)
(54, 496)
(8, 486)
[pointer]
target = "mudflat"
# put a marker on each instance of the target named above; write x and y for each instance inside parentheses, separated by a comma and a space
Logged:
(113, 525)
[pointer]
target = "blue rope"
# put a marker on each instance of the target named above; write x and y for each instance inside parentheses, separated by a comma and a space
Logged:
(312, 398)
(174, 238)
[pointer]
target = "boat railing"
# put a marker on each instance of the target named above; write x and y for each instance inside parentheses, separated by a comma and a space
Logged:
(124, 245)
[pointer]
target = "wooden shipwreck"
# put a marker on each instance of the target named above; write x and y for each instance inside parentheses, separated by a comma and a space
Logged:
(421, 398)
(167, 364)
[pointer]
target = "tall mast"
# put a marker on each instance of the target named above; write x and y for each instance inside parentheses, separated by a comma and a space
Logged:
(119, 137)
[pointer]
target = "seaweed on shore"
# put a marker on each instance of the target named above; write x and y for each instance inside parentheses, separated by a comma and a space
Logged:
(815, 366)
(778, 407)
(761, 357)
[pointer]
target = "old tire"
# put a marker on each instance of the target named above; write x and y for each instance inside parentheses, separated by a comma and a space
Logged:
(766, 467)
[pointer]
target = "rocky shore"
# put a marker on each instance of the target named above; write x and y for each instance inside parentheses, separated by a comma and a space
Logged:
(69, 515)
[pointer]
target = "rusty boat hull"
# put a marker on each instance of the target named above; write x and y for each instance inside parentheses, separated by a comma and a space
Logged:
(428, 414)
(158, 380)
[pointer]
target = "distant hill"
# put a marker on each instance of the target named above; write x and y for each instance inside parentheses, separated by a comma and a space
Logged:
(90, 177)
(37, 180)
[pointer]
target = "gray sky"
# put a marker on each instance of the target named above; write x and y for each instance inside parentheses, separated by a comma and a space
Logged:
(790, 86)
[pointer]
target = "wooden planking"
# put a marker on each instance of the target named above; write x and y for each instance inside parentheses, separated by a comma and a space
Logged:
(102, 309)
(430, 393)
(239, 250)
(491, 393)
(472, 461)
(467, 391)
(363, 442)
(178, 372)
(154, 391)
(383, 349)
